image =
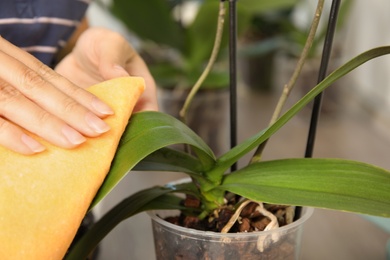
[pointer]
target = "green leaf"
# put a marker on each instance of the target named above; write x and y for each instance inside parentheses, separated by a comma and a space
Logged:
(149, 199)
(261, 48)
(232, 156)
(200, 36)
(325, 183)
(170, 160)
(146, 133)
(153, 198)
(151, 20)
(258, 7)
(216, 79)
(167, 74)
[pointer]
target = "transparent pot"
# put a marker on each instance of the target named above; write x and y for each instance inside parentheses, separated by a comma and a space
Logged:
(175, 242)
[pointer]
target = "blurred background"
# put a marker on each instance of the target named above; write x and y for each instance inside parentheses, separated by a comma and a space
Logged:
(355, 113)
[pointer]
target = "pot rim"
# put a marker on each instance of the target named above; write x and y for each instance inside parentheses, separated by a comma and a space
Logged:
(306, 213)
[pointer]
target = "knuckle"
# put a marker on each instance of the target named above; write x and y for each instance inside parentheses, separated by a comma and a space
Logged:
(4, 125)
(77, 96)
(30, 79)
(43, 117)
(116, 36)
(112, 37)
(69, 105)
(74, 91)
(8, 94)
(46, 72)
(109, 33)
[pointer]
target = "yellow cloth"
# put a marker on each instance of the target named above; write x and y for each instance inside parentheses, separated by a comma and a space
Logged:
(44, 197)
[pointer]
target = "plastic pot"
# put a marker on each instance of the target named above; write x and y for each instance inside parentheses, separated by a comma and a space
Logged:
(175, 242)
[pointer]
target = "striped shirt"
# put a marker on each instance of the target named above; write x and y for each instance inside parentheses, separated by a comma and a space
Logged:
(41, 27)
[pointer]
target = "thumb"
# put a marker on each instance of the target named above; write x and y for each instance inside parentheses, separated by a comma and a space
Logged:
(112, 55)
(110, 71)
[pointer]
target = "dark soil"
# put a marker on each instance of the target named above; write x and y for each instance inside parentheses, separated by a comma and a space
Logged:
(250, 219)
(180, 247)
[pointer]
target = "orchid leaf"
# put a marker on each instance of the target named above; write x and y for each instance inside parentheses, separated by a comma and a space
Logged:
(232, 156)
(146, 133)
(152, 198)
(149, 199)
(170, 160)
(325, 183)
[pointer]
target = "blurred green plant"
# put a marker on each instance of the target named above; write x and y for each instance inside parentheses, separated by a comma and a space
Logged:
(326, 183)
(322, 182)
(295, 34)
(179, 50)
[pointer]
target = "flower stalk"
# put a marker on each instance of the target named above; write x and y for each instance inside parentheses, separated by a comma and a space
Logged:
(213, 57)
(291, 83)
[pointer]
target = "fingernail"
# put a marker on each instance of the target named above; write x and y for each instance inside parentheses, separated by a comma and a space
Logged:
(102, 107)
(31, 143)
(97, 124)
(73, 136)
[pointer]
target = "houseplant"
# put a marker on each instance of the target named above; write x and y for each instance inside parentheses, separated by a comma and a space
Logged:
(177, 50)
(294, 32)
(330, 183)
(278, 36)
(259, 46)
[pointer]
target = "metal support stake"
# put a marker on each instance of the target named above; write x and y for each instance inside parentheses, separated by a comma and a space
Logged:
(233, 73)
(327, 49)
(326, 52)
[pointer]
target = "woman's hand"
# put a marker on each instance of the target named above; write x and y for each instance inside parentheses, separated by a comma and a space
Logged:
(101, 54)
(35, 98)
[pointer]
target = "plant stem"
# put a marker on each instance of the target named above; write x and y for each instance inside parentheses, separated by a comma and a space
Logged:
(213, 57)
(291, 83)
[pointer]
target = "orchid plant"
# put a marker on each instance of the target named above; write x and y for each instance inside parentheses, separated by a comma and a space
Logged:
(314, 182)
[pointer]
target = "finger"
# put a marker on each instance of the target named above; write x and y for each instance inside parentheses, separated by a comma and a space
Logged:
(112, 56)
(48, 97)
(117, 58)
(13, 138)
(124, 60)
(81, 96)
(16, 108)
(148, 101)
